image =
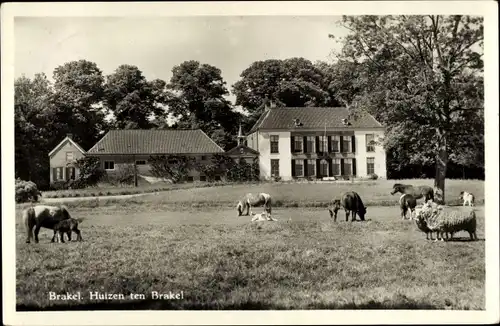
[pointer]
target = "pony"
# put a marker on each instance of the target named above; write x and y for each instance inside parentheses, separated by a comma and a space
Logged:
(255, 200)
(352, 203)
(467, 197)
(407, 202)
(42, 216)
(418, 192)
(67, 226)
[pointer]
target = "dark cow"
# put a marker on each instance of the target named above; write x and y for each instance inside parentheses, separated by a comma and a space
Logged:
(407, 202)
(352, 203)
(418, 192)
(67, 226)
(42, 216)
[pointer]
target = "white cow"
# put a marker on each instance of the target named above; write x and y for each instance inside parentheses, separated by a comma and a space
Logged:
(254, 200)
(264, 216)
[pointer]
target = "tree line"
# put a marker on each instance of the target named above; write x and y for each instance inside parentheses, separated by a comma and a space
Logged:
(420, 76)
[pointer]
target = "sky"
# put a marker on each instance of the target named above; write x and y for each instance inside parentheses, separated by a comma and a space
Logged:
(156, 44)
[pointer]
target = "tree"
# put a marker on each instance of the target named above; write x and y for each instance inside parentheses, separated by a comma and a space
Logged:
(197, 100)
(293, 82)
(33, 128)
(421, 76)
(134, 100)
(78, 92)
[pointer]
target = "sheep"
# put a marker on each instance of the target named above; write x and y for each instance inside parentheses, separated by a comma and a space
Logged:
(467, 197)
(446, 220)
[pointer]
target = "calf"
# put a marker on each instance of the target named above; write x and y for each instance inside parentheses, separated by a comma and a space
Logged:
(352, 204)
(265, 216)
(467, 197)
(407, 202)
(67, 226)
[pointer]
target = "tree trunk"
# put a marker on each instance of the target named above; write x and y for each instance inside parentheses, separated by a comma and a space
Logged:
(439, 181)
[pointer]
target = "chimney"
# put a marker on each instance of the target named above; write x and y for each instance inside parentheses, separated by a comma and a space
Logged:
(70, 136)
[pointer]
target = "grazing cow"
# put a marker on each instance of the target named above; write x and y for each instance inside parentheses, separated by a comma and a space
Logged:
(467, 197)
(407, 202)
(352, 203)
(42, 216)
(418, 192)
(264, 216)
(67, 226)
(254, 200)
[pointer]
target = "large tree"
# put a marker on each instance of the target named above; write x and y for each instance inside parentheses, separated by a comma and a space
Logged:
(32, 105)
(422, 77)
(197, 100)
(132, 99)
(78, 92)
(293, 82)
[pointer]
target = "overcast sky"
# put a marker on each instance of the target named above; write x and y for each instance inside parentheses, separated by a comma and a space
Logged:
(156, 44)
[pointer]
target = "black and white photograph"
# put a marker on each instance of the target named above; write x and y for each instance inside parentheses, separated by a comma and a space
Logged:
(323, 162)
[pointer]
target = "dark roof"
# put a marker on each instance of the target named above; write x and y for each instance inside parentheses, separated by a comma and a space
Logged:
(170, 141)
(312, 118)
(238, 150)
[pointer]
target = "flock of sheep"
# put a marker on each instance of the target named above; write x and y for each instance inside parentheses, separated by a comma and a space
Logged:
(431, 217)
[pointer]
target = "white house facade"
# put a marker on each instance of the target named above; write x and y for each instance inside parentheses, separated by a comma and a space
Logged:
(317, 143)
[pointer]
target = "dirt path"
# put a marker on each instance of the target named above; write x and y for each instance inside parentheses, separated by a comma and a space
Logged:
(73, 199)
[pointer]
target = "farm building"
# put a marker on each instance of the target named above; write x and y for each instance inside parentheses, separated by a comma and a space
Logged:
(317, 142)
(121, 148)
(62, 159)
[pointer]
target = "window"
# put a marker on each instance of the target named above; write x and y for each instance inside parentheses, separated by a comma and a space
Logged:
(69, 156)
(275, 167)
(70, 173)
(370, 165)
(347, 166)
(323, 144)
(203, 157)
(370, 143)
(217, 178)
(190, 179)
(323, 168)
(298, 144)
(140, 162)
(203, 178)
(346, 140)
(109, 165)
(274, 144)
(335, 144)
(58, 174)
(311, 167)
(310, 144)
(336, 166)
(299, 168)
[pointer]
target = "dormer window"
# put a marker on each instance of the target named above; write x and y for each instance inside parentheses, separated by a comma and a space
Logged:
(297, 122)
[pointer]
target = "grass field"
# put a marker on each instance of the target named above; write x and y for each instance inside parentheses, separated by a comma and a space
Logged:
(220, 261)
(307, 194)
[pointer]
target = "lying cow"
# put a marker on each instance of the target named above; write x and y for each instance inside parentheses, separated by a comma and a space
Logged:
(467, 197)
(67, 227)
(262, 217)
(254, 200)
(352, 203)
(42, 216)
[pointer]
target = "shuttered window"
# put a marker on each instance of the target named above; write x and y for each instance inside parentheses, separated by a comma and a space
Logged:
(323, 171)
(311, 167)
(348, 166)
(335, 144)
(310, 144)
(336, 166)
(299, 168)
(322, 144)
(298, 144)
(346, 142)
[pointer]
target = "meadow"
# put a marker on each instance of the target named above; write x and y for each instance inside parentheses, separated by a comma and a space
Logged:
(166, 243)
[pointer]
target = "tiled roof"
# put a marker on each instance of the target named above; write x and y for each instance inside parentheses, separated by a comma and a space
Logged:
(312, 118)
(170, 141)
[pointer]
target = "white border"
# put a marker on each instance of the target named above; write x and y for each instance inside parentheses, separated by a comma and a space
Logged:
(488, 9)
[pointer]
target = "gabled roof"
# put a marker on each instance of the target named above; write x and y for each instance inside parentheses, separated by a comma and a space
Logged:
(153, 141)
(312, 118)
(61, 144)
(238, 150)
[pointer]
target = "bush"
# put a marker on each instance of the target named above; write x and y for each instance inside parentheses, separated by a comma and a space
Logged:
(373, 176)
(173, 167)
(26, 191)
